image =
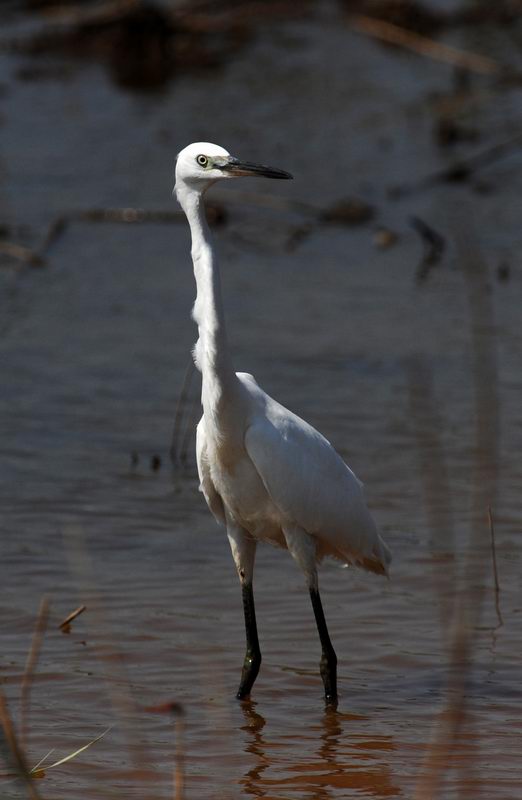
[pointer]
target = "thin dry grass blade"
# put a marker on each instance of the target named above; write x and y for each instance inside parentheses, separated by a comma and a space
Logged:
(495, 569)
(39, 773)
(30, 669)
(42, 760)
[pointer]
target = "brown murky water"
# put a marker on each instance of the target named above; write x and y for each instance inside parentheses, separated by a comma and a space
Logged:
(406, 379)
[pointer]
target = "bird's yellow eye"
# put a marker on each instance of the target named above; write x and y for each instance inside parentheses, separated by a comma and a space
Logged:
(202, 161)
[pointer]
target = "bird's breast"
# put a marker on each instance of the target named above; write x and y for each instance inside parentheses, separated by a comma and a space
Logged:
(243, 493)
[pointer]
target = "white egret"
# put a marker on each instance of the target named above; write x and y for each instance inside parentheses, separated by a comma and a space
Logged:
(266, 474)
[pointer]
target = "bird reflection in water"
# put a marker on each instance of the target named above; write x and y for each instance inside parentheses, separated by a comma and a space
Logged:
(255, 745)
(345, 760)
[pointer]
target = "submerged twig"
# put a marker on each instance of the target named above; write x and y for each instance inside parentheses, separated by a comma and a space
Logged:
(20, 252)
(128, 216)
(54, 231)
(495, 570)
(434, 246)
(37, 257)
(423, 45)
(461, 170)
(30, 667)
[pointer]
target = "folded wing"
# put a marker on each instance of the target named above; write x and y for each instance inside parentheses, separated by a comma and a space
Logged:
(313, 488)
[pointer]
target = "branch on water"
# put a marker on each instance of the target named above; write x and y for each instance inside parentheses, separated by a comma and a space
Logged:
(423, 45)
(65, 625)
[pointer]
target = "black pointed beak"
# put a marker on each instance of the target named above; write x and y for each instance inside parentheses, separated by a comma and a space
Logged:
(235, 167)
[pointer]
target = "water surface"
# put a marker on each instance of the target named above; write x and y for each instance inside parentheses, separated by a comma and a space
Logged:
(93, 351)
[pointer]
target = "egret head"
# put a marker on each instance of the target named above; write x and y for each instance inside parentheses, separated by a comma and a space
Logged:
(202, 163)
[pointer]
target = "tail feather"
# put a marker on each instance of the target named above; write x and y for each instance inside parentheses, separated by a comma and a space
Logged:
(373, 565)
(379, 560)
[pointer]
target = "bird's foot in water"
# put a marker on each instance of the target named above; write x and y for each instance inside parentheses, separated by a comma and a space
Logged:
(328, 669)
(249, 674)
(331, 701)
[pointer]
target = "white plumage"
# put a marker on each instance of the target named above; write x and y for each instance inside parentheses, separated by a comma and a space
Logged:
(266, 474)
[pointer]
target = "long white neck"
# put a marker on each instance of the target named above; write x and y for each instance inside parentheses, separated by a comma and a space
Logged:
(211, 351)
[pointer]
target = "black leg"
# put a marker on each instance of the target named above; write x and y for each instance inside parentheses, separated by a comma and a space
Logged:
(328, 664)
(253, 653)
